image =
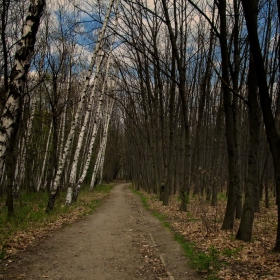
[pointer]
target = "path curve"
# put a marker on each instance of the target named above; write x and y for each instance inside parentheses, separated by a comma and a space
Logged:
(121, 240)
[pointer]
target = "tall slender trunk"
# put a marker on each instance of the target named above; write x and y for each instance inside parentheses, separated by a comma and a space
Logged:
(18, 75)
(4, 16)
(229, 118)
(181, 67)
(74, 166)
(236, 111)
(101, 152)
(215, 159)
(170, 148)
(66, 152)
(10, 165)
(42, 178)
(72, 182)
(251, 190)
(93, 137)
(250, 11)
(95, 128)
(62, 126)
(105, 136)
(22, 158)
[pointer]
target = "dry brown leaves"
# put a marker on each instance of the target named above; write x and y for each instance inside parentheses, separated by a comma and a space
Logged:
(150, 255)
(202, 225)
(151, 258)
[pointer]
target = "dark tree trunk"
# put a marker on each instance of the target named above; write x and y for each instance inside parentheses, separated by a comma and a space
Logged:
(251, 190)
(229, 119)
(215, 158)
(10, 198)
(11, 162)
(169, 175)
(250, 11)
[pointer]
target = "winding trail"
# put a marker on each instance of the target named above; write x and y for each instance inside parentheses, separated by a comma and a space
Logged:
(121, 241)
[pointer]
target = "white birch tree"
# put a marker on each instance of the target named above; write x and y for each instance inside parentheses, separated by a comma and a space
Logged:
(86, 86)
(42, 174)
(101, 152)
(96, 124)
(104, 144)
(72, 182)
(74, 166)
(23, 56)
(22, 158)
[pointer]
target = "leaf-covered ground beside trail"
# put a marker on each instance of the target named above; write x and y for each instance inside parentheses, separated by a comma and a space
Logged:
(202, 225)
(31, 222)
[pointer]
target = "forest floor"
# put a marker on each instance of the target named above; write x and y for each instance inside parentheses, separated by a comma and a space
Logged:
(226, 257)
(121, 240)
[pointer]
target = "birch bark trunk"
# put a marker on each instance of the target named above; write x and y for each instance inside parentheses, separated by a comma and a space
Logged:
(21, 163)
(94, 134)
(63, 129)
(73, 172)
(23, 56)
(93, 137)
(73, 194)
(105, 137)
(42, 175)
(101, 152)
(54, 187)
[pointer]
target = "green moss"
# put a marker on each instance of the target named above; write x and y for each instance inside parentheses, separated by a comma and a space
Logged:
(222, 196)
(231, 252)
(207, 263)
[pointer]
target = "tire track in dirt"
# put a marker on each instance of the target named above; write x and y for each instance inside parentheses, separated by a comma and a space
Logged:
(121, 240)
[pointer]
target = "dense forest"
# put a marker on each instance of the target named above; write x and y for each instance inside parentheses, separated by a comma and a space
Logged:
(178, 97)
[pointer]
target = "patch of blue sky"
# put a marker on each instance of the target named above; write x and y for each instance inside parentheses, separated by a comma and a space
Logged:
(82, 27)
(88, 37)
(89, 27)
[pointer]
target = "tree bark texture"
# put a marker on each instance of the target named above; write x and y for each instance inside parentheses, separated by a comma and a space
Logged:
(15, 93)
(86, 86)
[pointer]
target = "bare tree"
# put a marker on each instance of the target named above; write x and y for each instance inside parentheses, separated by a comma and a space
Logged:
(11, 112)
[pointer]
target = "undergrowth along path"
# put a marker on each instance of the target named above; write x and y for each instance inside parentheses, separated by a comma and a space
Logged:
(213, 252)
(121, 240)
(31, 222)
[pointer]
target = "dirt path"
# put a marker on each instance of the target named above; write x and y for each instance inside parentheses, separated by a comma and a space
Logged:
(121, 240)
